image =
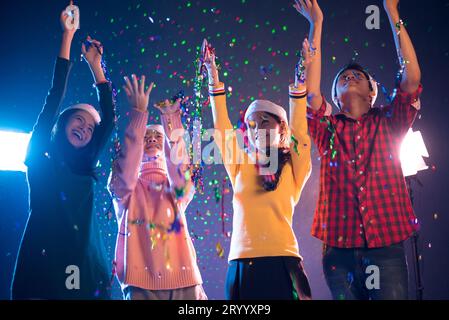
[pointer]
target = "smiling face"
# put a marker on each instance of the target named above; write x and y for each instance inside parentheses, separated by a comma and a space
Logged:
(264, 130)
(80, 128)
(353, 83)
(153, 143)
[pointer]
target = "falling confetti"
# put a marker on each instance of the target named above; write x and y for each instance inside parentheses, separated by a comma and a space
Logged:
(220, 250)
(257, 59)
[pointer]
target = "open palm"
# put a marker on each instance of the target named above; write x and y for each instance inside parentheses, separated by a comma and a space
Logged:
(309, 9)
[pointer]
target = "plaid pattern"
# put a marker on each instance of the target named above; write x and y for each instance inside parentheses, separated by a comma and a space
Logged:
(363, 199)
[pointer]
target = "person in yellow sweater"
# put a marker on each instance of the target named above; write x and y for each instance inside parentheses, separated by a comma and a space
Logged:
(267, 176)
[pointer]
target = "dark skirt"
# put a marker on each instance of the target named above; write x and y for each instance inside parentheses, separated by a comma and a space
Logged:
(267, 278)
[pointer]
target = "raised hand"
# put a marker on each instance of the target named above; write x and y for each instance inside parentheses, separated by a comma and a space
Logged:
(68, 22)
(411, 74)
(166, 107)
(92, 51)
(307, 52)
(391, 5)
(69, 30)
(138, 97)
(307, 55)
(209, 63)
(310, 10)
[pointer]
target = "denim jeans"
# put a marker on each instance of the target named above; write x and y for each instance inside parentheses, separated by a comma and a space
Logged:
(366, 274)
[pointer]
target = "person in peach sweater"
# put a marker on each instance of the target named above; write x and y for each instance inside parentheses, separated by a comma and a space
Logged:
(151, 187)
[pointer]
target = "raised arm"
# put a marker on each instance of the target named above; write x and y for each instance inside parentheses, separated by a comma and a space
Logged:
(312, 12)
(404, 108)
(224, 136)
(92, 51)
(126, 168)
(218, 96)
(301, 144)
(46, 120)
(176, 155)
(411, 77)
(69, 30)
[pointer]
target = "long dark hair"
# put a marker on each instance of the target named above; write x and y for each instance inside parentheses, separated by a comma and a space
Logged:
(270, 182)
(80, 161)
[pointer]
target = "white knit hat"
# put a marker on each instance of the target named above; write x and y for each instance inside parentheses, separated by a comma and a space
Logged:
(88, 108)
(266, 106)
(151, 169)
(334, 87)
(156, 127)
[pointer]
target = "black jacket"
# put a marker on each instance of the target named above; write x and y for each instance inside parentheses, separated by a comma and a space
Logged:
(61, 205)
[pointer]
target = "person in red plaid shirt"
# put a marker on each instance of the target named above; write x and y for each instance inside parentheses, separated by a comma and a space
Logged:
(364, 212)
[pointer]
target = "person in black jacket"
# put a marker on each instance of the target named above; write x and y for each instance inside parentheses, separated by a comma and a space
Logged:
(58, 258)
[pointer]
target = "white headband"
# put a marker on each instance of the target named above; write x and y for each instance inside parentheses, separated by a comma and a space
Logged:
(156, 127)
(88, 108)
(266, 106)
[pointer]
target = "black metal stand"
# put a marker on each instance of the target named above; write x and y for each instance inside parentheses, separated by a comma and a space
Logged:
(414, 242)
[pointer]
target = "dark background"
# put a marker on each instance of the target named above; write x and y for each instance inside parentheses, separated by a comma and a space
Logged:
(256, 42)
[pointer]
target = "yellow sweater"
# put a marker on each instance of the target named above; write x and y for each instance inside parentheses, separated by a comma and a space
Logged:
(262, 220)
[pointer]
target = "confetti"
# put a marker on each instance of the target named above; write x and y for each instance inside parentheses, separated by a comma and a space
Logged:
(219, 249)
(258, 57)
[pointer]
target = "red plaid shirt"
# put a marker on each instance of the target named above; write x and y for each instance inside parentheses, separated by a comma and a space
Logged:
(363, 200)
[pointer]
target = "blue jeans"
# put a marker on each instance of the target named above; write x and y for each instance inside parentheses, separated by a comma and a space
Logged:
(366, 274)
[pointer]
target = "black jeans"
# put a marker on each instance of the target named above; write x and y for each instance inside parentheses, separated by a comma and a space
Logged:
(363, 274)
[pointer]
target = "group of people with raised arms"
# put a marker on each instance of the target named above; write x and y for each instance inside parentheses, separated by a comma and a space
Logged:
(360, 221)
